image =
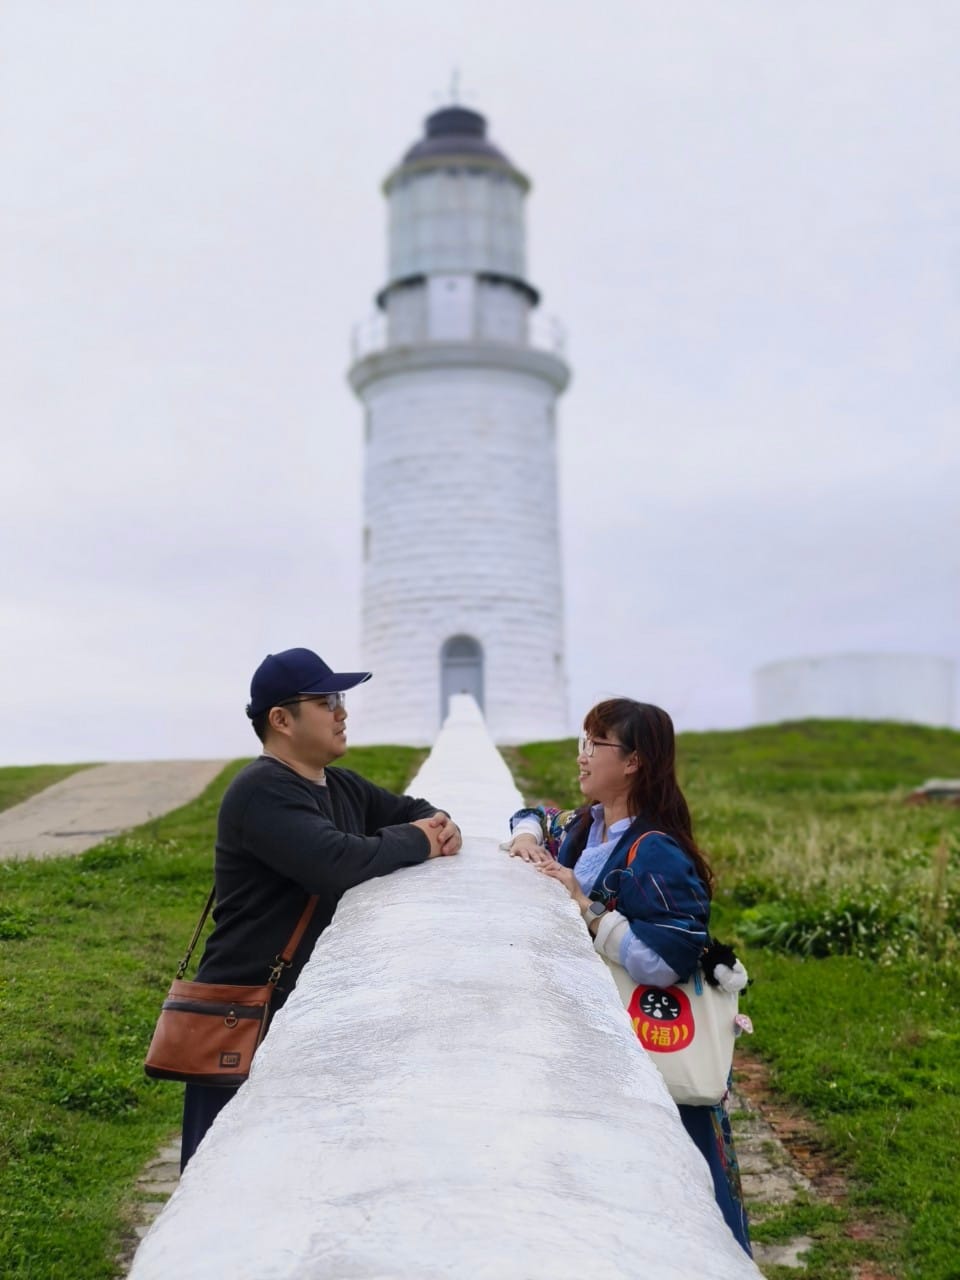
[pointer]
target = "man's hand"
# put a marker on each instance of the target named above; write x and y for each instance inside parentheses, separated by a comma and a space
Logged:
(528, 848)
(443, 834)
(448, 833)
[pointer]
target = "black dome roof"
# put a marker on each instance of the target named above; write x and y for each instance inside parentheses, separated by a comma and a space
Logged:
(455, 133)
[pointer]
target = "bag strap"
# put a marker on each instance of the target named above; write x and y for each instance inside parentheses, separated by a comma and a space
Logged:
(281, 962)
(182, 967)
(636, 845)
(285, 957)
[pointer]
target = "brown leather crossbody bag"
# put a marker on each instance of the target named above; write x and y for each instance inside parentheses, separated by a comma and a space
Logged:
(207, 1033)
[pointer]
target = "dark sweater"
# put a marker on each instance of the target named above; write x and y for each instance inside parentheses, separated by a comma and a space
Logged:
(281, 838)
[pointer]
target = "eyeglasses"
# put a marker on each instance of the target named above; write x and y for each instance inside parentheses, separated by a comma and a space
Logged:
(588, 745)
(333, 700)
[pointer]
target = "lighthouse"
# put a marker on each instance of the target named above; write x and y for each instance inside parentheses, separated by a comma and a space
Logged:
(459, 379)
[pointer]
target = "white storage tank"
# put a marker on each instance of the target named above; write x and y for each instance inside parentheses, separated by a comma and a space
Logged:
(912, 687)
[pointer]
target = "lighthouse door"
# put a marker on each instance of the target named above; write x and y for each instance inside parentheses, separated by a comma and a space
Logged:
(461, 671)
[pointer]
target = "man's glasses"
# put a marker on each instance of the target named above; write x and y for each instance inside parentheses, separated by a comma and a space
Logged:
(333, 700)
(588, 745)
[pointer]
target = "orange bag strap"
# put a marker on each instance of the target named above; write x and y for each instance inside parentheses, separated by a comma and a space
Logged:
(636, 845)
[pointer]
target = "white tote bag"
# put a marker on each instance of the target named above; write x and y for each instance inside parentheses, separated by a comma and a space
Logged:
(688, 1030)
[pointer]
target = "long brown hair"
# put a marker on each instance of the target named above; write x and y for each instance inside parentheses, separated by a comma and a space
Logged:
(655, 793)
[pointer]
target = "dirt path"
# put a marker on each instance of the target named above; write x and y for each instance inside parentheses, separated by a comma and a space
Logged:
(89, 806)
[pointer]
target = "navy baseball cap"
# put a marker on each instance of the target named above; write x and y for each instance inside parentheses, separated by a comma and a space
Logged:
(283, 676)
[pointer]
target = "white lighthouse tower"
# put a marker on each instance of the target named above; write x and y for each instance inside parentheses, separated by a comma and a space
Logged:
(462, 582)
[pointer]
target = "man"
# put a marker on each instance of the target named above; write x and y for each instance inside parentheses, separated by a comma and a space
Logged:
(290, 826)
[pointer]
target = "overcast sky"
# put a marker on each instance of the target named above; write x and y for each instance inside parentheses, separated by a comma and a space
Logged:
(745, 215)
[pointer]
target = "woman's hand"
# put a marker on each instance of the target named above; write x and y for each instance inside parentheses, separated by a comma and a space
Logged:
(528, 848)
(567, 879)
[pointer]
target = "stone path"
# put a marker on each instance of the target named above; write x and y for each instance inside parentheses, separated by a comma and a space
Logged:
(770, 1179)
(89, 806)
(155, 1186)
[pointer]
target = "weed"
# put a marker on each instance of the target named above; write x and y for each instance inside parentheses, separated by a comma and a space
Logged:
(108, 1091)
(803, 1216)
(15, 923)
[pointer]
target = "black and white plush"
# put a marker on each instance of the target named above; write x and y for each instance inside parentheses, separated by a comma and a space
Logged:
(721, 968)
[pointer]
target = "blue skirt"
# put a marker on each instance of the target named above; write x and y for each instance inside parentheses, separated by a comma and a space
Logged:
(709, 1128)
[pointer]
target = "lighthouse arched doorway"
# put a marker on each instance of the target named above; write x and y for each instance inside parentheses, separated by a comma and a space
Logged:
(461, 671)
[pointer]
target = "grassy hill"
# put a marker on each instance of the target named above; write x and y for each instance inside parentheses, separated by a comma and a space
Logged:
(845, 901)
(806, 824)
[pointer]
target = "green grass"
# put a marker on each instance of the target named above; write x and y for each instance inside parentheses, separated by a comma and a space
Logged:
(847, 903)
(89, 948)
(866, 1037)
(19, 782)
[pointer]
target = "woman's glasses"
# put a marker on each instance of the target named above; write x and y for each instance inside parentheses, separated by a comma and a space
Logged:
(588, 745)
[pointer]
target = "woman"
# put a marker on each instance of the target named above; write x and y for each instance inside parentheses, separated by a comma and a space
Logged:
(627, 774)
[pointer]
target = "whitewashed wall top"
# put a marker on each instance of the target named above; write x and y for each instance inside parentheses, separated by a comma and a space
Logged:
(452, 1091)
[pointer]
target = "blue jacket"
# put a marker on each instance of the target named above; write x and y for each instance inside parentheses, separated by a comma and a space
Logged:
(660, 894)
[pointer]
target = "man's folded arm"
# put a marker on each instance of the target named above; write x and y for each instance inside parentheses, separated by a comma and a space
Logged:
(299, 843)
(386, 809)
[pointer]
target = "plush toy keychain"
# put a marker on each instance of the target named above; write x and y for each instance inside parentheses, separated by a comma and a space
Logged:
(722, 969)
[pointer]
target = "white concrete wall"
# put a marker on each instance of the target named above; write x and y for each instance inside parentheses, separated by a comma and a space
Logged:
(460, 501)
(453, 1090)
(859, 686)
